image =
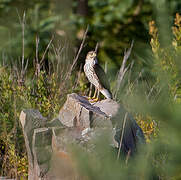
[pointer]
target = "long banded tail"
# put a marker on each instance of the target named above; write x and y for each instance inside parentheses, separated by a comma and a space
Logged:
(106, 93)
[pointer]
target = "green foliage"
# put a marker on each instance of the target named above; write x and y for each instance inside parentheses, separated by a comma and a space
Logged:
(151, 89)
(44, 94)
(107, 12)
(40, 20)
(158, 113)
(167, 58)
(14, 164)
(114, 24)
(45, 91)
(14, 161)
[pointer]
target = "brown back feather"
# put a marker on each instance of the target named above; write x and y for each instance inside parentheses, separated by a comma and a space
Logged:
(102, 76)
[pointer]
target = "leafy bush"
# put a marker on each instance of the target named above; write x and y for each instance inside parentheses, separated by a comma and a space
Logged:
(42, 90)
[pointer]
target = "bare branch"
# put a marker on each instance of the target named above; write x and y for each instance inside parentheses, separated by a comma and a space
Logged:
(130, 71)
(78, 77)
(37, 45)
(97, 46)
(21, 68)
(105, 67)
(77, 56)
(126, 56)
(42, 59)
(23, 40)
(123, 69)
(26, 65)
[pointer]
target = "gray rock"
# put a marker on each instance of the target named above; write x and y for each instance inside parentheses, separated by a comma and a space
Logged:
(5, 178)
(79, 122)
(76, 111)
(38, 142)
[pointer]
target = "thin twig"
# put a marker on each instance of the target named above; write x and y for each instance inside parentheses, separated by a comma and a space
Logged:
(126, 56)
(23, 40)
(130, 71)
(37, 45)
(79, 51)
(26, 65)
(22, 67)
(78, 77)
(151, 90)
(97, 46)
(133, 84)
(37, 65)
(22, 22)
(123, 69)
(124, 123)
(42, 59)
(105, 67)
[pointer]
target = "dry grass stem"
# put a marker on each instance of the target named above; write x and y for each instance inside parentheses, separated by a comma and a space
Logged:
(23, 39)
(20, 69)
(43, 57)
(37, 45)
(122, 134)
(123, 69)
(97, 46)
(77, 56)
(78, 77)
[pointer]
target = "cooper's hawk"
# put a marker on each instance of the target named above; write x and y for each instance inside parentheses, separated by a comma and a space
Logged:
(96, 75)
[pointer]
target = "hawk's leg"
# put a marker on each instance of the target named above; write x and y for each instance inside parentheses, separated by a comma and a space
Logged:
(97, 98)
(95, 92)
(94, 98)
(90, 92)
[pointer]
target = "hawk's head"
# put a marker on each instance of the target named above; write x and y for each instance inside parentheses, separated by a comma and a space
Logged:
(91, 55)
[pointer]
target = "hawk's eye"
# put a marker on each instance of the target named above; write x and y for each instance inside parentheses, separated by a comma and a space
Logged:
(91, 54)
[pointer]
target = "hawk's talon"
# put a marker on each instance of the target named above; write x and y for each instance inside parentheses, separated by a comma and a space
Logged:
(94, 100)
(89, 98)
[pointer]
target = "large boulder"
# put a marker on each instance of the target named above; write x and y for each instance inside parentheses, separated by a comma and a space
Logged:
(78, 122)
